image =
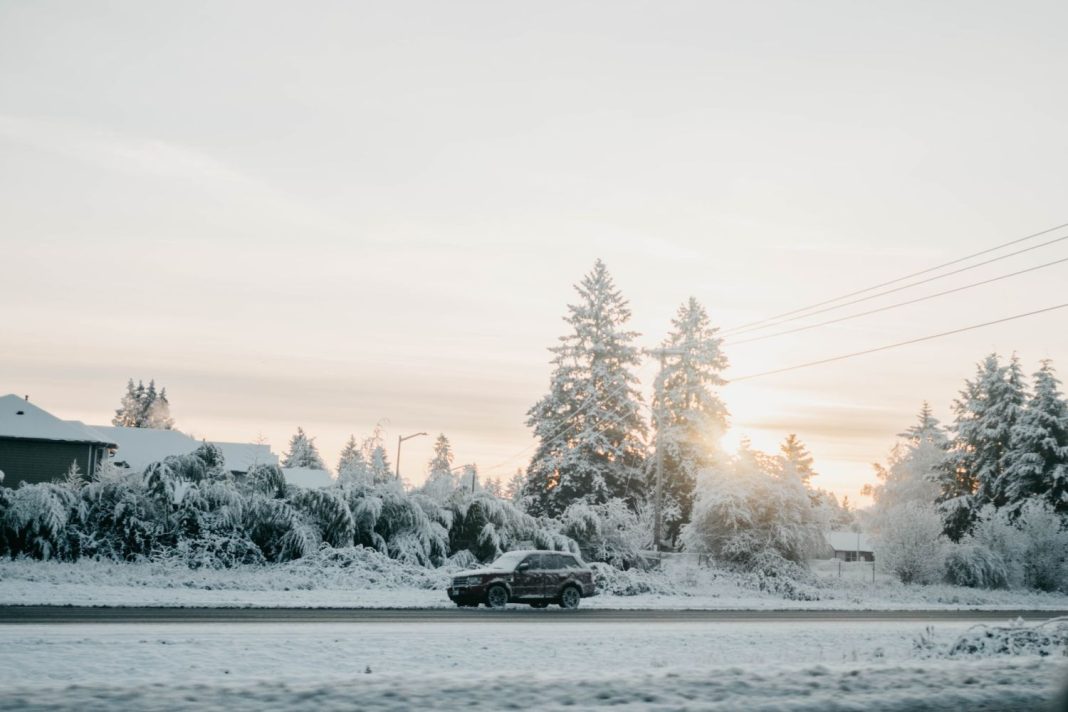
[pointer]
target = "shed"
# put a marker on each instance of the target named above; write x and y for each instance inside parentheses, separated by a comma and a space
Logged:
(36, 446)
(850, 546)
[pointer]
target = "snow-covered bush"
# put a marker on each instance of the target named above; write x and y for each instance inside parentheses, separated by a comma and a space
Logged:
(1045, 546)
(611, 532)
(488, 526)
(632, 582)
(119, 521)
(976, 566)
(910, 545)
(747, 508)
(36, 518)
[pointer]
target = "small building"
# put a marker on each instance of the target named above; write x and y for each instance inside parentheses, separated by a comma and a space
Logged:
(36, 446)
(308, 477)
(850, 546)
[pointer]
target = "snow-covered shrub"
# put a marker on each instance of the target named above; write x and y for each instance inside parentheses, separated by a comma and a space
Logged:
(1045, 546)
(911, 545)
(278, 529)
(611, 532)
(632, 582)
(487, 525)
(1018, 638)
(218, 551)
(268, 480)
(327, 510)
(747, 508)
(36, 518)
(396, 523)
(976, 566)
(119, 521)
(770, 572)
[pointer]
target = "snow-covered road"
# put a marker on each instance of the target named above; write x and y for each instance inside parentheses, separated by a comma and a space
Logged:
(782, 665)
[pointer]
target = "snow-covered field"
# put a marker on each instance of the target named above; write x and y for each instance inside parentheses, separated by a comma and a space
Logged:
(378, 582)
(511, 665)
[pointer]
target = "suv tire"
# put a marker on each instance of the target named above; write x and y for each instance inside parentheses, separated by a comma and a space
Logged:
(570, 597)
(497, 596)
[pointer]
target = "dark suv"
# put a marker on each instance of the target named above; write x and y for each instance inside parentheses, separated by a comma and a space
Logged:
(535, 577)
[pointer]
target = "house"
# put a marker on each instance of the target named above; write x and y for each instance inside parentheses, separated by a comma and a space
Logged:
(140, 447)
(308, 477)
(36, 446)
(850, 546)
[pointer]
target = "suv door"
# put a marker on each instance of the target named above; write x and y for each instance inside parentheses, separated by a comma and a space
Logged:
(555, 573)
(527, 579)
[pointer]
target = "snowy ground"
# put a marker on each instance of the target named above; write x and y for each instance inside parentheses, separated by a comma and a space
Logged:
(518, 665)
(374, 584)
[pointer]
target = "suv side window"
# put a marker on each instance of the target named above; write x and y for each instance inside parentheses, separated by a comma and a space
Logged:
(535, 562)
(561, 561)
(568, 562)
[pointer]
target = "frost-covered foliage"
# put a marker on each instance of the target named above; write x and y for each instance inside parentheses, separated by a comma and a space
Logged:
(589, 426)
(488, 526)
(1037, 461)
(748, 508)
(976, 566)
(440, 479)
(36, 521)
(611, 532)
(303, 452)
(909, 476)
(144, 407)
(1044, 639)
(911, 545)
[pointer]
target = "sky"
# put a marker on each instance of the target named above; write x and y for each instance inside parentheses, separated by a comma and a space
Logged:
(337, 215)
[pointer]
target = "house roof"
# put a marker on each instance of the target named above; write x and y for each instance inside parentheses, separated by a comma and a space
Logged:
(140, 447)
(24, 420)
(307, 477)
(848, 541)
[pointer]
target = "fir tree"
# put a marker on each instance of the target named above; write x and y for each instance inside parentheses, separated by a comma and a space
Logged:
(381, 470)
(689, 416)
(797, 461)
(973, 472)
(514, 489)
(352, 466)
(440, 480)
(1036, 464)
(589, 426)
(926, 429)
(303, 453)
(144, 407)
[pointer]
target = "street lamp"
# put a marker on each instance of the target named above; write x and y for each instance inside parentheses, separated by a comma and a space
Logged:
(400, 440)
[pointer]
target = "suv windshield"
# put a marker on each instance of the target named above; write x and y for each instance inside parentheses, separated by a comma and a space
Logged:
(508, 562)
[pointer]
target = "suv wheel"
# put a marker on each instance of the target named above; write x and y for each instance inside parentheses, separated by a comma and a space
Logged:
(570, 598)
(497, 596)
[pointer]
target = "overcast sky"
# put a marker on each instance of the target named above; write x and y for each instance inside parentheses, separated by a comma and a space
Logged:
(337, 214)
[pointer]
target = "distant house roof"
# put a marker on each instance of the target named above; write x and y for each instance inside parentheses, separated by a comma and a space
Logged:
(848, 541)
(140, 447)
(307, 477)
(23, 420)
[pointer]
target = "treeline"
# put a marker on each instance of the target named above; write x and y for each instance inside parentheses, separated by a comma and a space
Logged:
(985, 501)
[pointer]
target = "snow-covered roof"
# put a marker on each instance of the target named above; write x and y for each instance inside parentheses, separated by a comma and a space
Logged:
(140, 447)
(307, 477)
(848, 541)
(21, 419)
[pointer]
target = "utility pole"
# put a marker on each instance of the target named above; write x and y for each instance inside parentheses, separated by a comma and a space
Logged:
(658, 414)
(400, 441)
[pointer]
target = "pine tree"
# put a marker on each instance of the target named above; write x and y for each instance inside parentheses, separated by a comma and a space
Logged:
(440, 480)
(1036, 464)
(797, 461)
(514, 489)
(144, 407)
(689, 416)
(352, 466)
(927, 429)
(381, 470)
(589, 426)
(303, 453)
(973, 473)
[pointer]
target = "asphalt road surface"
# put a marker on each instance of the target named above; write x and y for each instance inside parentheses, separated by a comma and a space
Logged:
(15, 615)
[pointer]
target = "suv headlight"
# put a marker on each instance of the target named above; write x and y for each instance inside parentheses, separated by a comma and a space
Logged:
(472, 581)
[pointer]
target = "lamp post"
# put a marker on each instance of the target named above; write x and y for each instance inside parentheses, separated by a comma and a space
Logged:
(400, 441)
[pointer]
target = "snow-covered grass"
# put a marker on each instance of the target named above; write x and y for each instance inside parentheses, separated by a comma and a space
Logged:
(517, 665)
(364, 578)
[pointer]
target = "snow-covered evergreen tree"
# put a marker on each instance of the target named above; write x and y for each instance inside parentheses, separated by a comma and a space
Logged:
(352, 465)
(513, 491)
(381, 470)
(143, 407)
(973, 472)
(1036, 464)
(589, 426)
(689, 416)
(440, 479)
(911, 474)
(797, 461)
(303, 453)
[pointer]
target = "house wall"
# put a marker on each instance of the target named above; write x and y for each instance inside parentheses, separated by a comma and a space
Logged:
(43, 460)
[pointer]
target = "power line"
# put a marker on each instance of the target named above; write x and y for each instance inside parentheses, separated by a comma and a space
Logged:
(731, 342)
(910, 285)
(898, 344)
(900, 279)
